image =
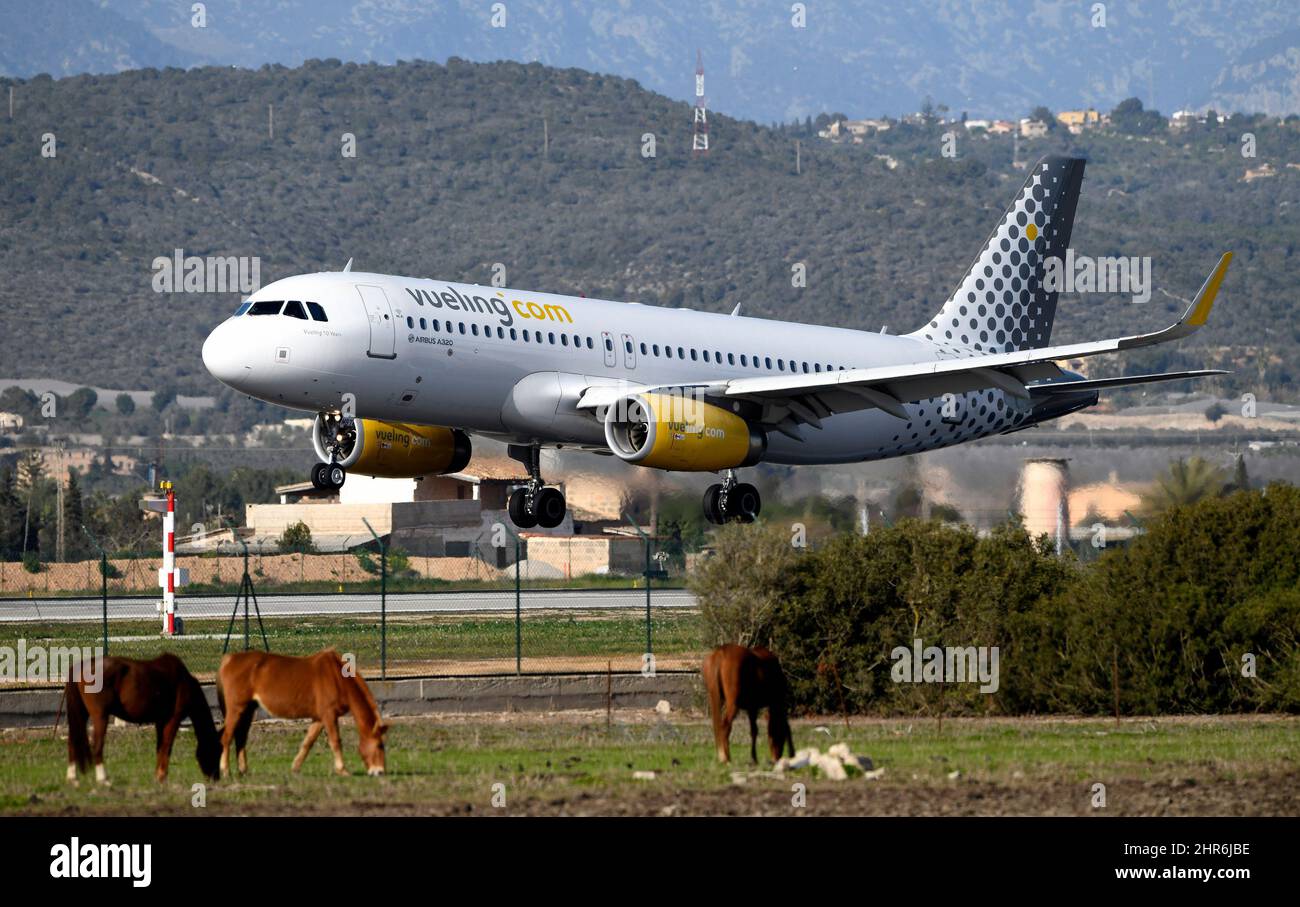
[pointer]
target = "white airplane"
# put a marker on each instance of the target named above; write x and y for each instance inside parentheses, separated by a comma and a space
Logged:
(401, 370)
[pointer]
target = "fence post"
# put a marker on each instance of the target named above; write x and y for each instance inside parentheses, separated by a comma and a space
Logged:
(649, 573)
(383, 601)
(103, 582)
(519, 614)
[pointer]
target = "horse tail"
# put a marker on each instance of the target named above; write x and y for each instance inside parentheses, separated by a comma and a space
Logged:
(78, 715)
(712, 672)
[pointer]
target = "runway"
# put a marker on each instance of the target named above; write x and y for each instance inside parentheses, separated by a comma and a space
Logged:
(485, 601)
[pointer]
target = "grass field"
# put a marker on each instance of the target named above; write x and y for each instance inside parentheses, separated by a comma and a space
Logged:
(573, 763)
(433, 644)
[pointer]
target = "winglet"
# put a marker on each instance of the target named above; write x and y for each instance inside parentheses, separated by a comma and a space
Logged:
(1199, 310)
(1196, 315)
(347, 267)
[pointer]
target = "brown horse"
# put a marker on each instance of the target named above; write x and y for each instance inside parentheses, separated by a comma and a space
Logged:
(750, 679)
(318, 687)
(161, 692)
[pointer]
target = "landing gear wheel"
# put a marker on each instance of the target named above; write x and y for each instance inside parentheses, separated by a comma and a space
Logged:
(744, 503)
(518, 509)
(336, 476)
(319, 475)
(712, 509)
(549, 507)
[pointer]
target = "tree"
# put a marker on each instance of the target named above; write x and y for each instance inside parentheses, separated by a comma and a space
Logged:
(1186, 482)
(80, 402)
(125, 404)
(740, 586)
(1045, 116)
(1215, 411)
(163, 397)
(1129, 117)
(1240, 480)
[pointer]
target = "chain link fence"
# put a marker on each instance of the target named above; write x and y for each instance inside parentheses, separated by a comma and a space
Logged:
(504, 605)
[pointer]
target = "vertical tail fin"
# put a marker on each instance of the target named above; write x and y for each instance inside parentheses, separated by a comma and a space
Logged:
(1000, 305)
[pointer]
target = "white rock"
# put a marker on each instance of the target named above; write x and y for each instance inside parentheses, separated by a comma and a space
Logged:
(662, 707)
(643, 776)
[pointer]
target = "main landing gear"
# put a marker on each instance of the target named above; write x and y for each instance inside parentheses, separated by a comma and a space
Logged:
(732, 502)
(536, 504)
(328, 476)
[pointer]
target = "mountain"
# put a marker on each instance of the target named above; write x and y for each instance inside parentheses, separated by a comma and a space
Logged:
(452, 177)
(994, 58)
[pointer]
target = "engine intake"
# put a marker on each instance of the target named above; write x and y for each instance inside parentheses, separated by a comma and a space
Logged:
(392, 450)
(682, 433)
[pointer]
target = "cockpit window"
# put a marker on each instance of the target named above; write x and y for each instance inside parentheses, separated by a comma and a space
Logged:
(317, 311)
(293, 308)
(265, 307)
(243, 307)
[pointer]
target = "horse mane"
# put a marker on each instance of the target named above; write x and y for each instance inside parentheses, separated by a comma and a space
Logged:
(356, 690)
(208, 748)
(362, 689)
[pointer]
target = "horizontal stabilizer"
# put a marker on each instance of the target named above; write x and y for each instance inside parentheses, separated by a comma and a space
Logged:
(1092, 384)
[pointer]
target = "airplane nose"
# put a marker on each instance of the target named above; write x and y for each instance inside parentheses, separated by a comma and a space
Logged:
(223, 357)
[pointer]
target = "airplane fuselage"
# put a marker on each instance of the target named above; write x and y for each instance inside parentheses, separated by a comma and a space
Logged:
(510, 364)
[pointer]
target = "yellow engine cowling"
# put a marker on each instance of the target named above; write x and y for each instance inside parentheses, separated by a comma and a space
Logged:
(681, 433)
(392, 450)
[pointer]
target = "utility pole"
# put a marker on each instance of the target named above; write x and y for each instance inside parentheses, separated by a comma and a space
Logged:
(11, 102)
(546, 139)
(797, 168)
(59, 549)
(700, 138)
(270, 120)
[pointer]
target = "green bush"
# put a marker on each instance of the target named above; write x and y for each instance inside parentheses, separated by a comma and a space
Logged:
(1201, 613)
(296, 538)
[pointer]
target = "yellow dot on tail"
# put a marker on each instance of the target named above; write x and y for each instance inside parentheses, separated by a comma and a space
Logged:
(1032, 232)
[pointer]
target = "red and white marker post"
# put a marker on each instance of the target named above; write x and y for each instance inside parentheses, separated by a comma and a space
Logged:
(169, 577)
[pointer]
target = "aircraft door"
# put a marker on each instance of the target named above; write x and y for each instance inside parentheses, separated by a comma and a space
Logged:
(611, 354)
(383, 330)
(629, 351)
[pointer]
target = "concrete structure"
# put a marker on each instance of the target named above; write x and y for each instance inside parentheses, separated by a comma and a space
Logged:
(1032, 129)
(576, 555)
(10, 422)
(1044, 499)
(417, 696)
(1078, 120)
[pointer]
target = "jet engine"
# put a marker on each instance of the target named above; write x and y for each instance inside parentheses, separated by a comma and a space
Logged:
(394, 450)
(681, 432)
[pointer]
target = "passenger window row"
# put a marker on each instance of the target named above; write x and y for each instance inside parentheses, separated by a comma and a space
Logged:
(577, 341)
(745, 360)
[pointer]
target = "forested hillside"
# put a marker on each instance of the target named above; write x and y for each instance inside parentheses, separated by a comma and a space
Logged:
(450, 176)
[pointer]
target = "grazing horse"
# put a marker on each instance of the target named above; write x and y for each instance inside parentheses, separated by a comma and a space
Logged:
(319, 687)
(750, 679)
(160, 692)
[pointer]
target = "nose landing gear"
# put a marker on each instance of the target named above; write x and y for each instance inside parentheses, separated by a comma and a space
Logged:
(732, 502)
(536, 504)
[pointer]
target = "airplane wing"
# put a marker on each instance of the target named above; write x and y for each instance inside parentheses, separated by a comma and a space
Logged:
(789, 400)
